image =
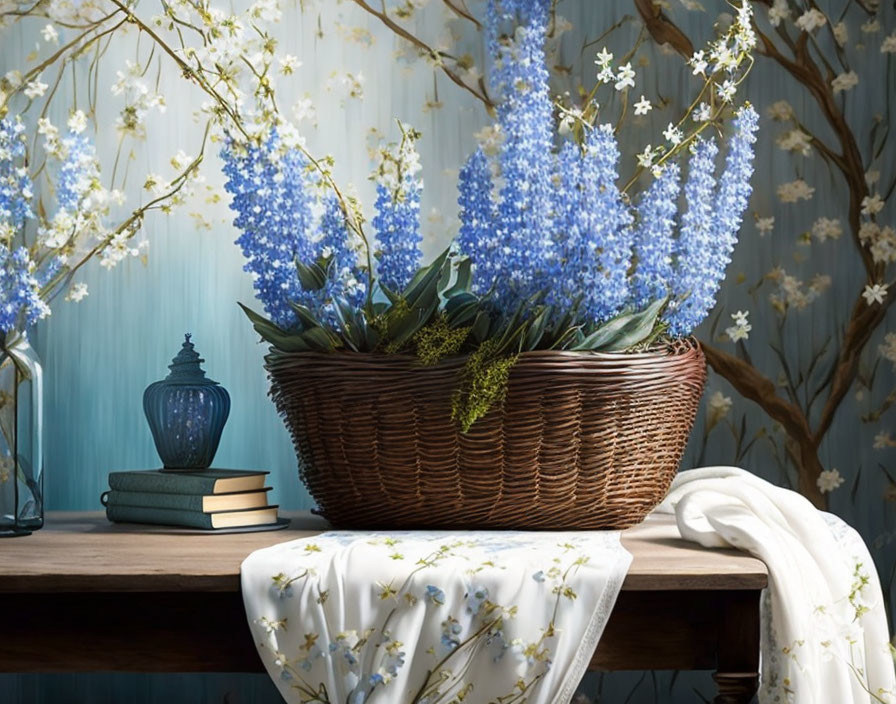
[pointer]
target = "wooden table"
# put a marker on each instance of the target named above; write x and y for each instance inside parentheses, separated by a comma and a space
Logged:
(85, 595)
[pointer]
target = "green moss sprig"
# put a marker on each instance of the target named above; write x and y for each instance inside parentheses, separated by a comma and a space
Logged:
(483, 384)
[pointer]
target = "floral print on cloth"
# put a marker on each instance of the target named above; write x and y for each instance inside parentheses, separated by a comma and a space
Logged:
(824, 624)
(432, 617)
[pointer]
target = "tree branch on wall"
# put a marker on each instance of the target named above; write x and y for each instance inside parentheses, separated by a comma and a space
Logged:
(446, 63)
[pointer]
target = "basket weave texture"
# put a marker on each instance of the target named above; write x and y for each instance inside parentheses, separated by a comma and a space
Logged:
(583, 441)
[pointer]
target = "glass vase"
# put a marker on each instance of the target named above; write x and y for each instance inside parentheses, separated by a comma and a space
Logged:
(21, 437)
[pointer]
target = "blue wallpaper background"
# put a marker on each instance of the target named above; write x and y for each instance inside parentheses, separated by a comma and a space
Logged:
(100, 354)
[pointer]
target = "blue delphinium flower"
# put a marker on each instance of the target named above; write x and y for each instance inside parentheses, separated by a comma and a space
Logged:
(273, 205)
(573, 260)
(695, 243)
(78, 169)
(21, 305)
(347, 279)
(653, 238)
(476, 236)
(607, 227)
(15, 184)
(397, 225)
(710, 224)
(397, 219)
(525, 116)
(20, 302)
(733, 196)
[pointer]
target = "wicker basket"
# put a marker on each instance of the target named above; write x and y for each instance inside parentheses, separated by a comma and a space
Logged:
(583, 441)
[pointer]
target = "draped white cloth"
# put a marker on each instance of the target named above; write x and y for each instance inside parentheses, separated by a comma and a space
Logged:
(426, 617)
(825, 638)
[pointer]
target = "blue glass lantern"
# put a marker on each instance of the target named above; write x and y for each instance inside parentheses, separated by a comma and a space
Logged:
(186, 413)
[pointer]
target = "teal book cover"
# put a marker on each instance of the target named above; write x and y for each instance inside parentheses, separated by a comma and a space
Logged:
(209, 481)
(191, 519)
(187, 502)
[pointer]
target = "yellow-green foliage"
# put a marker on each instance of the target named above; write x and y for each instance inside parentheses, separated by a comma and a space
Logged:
(382, 324)
(437, 341)
(483, 384)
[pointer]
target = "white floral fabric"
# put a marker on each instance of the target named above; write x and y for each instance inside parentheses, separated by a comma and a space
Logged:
(432, 617)
(824, 626)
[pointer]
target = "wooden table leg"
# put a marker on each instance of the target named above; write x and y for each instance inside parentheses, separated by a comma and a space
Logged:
(737, 673)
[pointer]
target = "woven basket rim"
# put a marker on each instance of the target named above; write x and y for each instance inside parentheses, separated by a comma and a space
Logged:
(677, 348)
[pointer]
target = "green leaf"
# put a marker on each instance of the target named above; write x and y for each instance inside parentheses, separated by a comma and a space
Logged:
(273, 334)
(424, 279)
(605, 334)
(536, 328)
(463, 314)
(369, 337)
(461, 308)
(464, 278)
(347, 317)
(305, 316)
(561, 330)
(406, 325)
(480, 327)
(639, 329)
(388, 293)
(321, 339)
(313, 277)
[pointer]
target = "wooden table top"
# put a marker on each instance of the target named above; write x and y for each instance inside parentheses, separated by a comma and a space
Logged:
(83, 552)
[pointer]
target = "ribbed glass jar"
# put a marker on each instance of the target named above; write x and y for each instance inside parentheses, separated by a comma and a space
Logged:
(186, 413)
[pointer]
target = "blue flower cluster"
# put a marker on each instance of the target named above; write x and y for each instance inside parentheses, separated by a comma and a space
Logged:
(76, 172)
(270, 189)
(556, 222)
(477, 236)
(654, 244)
(710, 224)
(347, 280)
(15, 185)
(591, 249)
(525, 114)
(274, 198)
(397, 225)
(20, 302)
(607, 220)
(284, 219)
(22, 305)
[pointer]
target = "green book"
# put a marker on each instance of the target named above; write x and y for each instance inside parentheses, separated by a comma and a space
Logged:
(192, 519)
(207, 503)
(208, 481)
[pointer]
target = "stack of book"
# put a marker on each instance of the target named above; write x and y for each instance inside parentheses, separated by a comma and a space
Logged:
(209, 499)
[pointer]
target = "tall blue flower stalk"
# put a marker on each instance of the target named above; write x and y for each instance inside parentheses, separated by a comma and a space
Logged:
(607, 226)
(525, 115)
(348, 280)
(654, 242)
(397, 225)
(270, 190)
(477, 237)
(695, 243)
(15, 184)
(76, 172)
(21, 304)
(710, 224)
(574, 260)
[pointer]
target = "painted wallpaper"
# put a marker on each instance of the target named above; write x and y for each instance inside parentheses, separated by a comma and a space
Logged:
(801, 344)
